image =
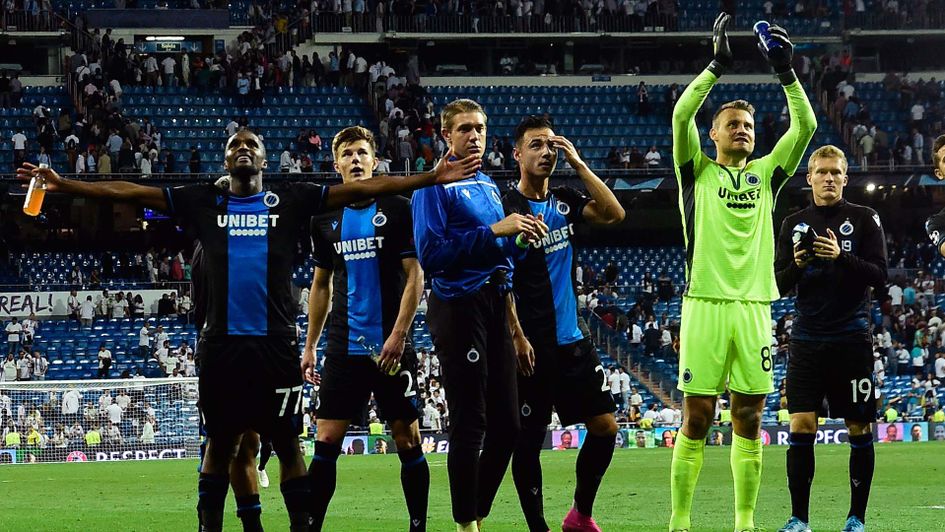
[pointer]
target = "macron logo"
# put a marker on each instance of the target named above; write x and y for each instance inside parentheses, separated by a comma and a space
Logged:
(247, 224)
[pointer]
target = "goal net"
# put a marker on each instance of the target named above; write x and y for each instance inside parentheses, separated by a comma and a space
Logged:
(98, 420)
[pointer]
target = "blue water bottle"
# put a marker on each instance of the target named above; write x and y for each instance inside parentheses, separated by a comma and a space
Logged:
(762, 28)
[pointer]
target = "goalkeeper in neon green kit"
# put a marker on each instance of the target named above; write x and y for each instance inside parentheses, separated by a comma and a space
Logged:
(727, 206)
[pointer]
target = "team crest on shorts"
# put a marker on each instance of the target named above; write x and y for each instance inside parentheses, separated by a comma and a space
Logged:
(472, 355)
(562, 208)
(846, 229)
(752, 179)
(687, 376)
(379, 220)
(271, 199)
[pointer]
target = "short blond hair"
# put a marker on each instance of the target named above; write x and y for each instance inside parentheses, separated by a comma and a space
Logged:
(741, 105)
(455, 107)
(352, 134)
(828, 151)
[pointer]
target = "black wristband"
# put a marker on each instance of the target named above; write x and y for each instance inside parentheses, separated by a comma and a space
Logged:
(716, 68)
(787, 77)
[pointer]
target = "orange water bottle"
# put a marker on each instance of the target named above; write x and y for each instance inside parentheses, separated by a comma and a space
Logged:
(36, 194)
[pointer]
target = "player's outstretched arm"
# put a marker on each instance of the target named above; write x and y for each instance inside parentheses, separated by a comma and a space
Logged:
(413, 288)
(448, 170)
(603, 208)
(686, 143)
(124, 191)
(319, 299)
(779, 52)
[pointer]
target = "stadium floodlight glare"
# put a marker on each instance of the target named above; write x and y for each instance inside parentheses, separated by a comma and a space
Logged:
(153, 38)
(870, 187)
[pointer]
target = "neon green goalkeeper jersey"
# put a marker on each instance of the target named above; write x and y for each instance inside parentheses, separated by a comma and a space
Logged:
(727, 212)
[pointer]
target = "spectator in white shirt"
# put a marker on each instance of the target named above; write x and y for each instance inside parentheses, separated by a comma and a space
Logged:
(653, 158)
(87, 312)
(14, 329)
(104, 361)
(40, 366)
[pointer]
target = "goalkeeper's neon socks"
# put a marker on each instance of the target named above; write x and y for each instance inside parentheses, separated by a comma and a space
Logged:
(687, 463)
(746, 471)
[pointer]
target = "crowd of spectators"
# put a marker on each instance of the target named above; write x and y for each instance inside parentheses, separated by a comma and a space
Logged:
(74, 419)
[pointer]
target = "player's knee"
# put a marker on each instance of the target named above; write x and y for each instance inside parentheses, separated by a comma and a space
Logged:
(531, 438)
(857, 428)
(804, 424)
(747, 416)
(603, 426)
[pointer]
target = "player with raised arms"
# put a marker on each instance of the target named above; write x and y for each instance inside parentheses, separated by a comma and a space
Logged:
(726, 206)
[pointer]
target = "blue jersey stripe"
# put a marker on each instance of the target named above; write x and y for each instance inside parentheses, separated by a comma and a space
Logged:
(365, 317)
(559, 257)
(247, 307)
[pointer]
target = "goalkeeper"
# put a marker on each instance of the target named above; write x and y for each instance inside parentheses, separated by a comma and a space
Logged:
(726, 206)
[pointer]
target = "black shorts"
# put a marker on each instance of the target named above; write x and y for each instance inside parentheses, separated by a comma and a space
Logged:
(250, 383)
(348, 381)
(840, 373)
(569, 378)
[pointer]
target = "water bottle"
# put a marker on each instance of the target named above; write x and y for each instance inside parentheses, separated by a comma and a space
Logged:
(35, 194)
(375, 356)
(762, 30)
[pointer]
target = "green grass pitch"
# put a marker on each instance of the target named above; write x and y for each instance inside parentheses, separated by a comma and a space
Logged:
(908, 494)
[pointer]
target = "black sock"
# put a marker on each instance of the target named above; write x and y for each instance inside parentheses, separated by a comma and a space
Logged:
(592, 462)
(265, 453)
(493, 463)
(462, 465)
(526, 472)
(322, 475)
(800, 473)
(862, 461)
(211, 499)
(296, 493)
(249, 510)
(415, 479)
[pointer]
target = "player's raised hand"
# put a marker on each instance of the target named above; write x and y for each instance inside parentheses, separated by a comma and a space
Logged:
(827, 247)
(450, 169)
(28, 170)
(570, 152)
(524, 354)
(777, 49)
(391, 352)
(308, 366)
(721, 52)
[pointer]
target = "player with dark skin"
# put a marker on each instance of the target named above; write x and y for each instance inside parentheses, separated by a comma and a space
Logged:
(245, 161)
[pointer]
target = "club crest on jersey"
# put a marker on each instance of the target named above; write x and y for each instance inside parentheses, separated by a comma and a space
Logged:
(379, 220)
(752, 179)
(846, 229)
(271, 199)
(562, 208)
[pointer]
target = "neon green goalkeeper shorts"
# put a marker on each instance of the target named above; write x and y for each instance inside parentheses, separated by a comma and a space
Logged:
(725, 342)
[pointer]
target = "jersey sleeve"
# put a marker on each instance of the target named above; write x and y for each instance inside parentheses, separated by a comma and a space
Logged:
(321, 248)
(405, 245)
(311, 196)
(786, 272)
(575, 200)
(184, 201)
(935, 228)
(687, 147)
(791, 146)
